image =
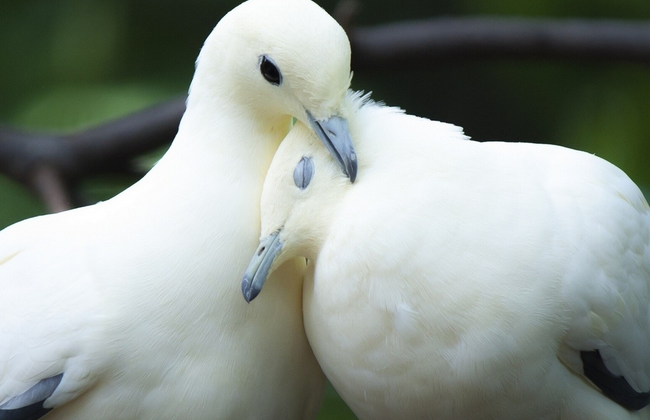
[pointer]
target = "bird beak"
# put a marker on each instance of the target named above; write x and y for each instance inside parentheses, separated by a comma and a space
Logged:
(335, 134)
(258, 269)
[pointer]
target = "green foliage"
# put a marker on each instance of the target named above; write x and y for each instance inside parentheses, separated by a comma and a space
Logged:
(16, 203)
(609, 116)
(70, 107)
(334, 407)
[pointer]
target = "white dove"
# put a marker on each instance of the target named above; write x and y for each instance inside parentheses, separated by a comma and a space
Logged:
(131, 308)
(464, 280)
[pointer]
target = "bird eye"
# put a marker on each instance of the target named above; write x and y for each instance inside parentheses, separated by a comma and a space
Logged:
(270, 71)
(304, 172)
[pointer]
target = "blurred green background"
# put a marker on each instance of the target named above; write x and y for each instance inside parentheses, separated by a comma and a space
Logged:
(66, 64)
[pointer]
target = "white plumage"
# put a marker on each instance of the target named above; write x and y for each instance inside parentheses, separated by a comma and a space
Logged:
(465, 280)
(135, 301)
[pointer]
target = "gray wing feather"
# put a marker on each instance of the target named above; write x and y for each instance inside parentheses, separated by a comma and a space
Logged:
(29, 405)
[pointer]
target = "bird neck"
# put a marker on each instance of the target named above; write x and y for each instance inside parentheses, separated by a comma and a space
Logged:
(217, 162)
(216, 129)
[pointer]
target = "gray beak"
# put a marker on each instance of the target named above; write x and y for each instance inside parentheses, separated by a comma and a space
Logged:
(258, 268)
(335, 134)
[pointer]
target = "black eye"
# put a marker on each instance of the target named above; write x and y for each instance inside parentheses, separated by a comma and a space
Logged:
(270, 71)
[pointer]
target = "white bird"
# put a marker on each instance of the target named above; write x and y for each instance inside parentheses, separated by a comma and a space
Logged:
(131, 308)
(464, 280)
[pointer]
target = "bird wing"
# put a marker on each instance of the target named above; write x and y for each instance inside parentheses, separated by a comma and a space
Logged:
(29, 404)
(48, 308)
(606, 286)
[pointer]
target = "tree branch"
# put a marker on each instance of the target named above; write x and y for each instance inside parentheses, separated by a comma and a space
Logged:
(108, 148)
(441, 40)
(48, 184)
(43, 161)
(52, 165)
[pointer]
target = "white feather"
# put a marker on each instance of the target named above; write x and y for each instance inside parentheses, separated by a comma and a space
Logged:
(461, 280)
(136, 300)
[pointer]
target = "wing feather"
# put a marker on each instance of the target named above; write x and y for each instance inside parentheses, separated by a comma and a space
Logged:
(607, 289)
(48, 309)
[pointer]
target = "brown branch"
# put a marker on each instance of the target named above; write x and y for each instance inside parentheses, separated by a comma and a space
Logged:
(344, 13)
(108, 148)
(41, 161)
(48, 184)
(52, 165)
(442, 40)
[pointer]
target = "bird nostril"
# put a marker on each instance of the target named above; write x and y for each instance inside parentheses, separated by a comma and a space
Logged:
(261, 250)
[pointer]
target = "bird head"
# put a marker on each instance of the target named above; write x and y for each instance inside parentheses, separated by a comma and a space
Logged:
(301, 192)
(277, 59)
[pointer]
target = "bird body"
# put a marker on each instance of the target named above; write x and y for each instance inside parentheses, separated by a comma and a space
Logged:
(130, 309)
(145, 318)
(466, 280)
